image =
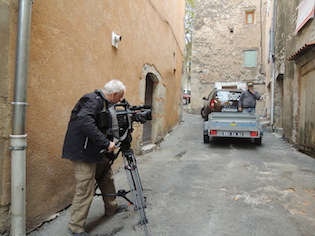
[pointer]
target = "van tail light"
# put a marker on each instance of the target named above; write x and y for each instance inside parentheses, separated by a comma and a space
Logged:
(213, 132)
(254, 134)
(212, 103)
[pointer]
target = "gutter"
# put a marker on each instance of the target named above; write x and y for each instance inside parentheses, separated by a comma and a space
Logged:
(18, 136)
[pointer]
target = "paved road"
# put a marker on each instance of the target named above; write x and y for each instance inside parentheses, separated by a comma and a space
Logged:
(228, 187)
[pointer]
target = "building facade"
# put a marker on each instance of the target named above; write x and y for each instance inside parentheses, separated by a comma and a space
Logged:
(227, 47)
(294, 72)
(72, 53)
(269, 42)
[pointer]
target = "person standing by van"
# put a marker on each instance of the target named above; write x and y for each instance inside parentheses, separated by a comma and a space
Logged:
(247, 102)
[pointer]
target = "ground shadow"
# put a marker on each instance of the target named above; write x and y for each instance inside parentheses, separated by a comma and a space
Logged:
(239, 143)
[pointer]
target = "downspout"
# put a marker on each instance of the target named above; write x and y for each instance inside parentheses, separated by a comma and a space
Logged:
(273, 66)
(261, 71)
(18, 137)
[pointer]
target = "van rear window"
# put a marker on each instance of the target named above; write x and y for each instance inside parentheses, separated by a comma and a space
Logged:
(225, 96)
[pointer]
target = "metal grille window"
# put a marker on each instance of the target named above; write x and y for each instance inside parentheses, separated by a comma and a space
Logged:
(250, 58)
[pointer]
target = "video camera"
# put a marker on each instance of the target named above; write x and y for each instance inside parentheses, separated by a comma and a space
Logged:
(127, 114)
(118, 119)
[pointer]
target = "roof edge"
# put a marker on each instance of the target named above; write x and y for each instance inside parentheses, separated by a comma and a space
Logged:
(306, 47)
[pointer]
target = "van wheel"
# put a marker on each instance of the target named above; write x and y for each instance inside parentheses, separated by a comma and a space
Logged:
(257, 141)
(206, 138)
(202, 112)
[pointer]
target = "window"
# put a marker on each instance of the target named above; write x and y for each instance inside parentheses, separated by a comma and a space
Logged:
(250, 17)
(228, 96)
(250, 58)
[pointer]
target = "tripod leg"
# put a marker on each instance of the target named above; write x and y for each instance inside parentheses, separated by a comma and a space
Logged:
(135, 177)
(135, 187)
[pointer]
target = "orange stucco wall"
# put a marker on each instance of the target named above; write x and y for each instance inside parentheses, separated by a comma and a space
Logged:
(71, 54)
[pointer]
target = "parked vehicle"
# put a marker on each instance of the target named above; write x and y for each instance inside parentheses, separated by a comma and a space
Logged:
(186, 97)
(221, 100)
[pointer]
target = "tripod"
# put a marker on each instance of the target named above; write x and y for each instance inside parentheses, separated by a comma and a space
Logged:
(134, 182)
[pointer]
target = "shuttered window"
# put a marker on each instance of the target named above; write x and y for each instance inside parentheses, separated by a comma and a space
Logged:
(250, 58)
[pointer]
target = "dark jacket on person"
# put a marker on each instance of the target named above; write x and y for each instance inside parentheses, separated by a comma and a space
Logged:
(84, 138)
(248, 100)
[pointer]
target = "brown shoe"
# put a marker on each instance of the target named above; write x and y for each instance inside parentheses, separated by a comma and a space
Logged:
(121, 208)
(70, 233)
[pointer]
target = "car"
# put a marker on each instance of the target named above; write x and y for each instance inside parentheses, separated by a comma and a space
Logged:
(221, 100)
(186, 97)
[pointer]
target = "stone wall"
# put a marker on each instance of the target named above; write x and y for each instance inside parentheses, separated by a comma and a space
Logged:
(220, 38)
(284, 46)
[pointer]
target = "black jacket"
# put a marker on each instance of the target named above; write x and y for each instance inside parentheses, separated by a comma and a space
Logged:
(84, 139)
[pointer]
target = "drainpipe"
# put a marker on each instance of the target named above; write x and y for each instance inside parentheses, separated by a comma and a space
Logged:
(18, 137)
(273, 65)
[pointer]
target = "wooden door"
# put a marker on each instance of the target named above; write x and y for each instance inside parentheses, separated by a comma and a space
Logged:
(307, 106)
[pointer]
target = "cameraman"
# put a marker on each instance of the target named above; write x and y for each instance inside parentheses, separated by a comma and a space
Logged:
(82, 145)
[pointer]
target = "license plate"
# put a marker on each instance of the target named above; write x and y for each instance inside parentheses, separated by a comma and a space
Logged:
(229, 108)
(235, 134)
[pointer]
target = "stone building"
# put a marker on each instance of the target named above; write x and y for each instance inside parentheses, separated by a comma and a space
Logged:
(228, 47)
(278, 37)
(293, 73)
(71, 53)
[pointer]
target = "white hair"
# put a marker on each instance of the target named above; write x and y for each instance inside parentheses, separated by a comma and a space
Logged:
(114, 86)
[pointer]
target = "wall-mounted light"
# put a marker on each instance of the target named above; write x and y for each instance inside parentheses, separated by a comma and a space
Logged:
(115, 39)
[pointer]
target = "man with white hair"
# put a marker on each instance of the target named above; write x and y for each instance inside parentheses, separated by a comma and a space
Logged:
(84, 140)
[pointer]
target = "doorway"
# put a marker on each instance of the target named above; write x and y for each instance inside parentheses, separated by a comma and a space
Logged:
(307, 107)
(148, 100)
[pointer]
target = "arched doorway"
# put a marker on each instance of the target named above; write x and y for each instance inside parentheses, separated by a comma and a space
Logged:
(152, 92)
(148, 100)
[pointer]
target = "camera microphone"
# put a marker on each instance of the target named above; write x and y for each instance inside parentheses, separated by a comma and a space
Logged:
(146, 107)
(134, 108)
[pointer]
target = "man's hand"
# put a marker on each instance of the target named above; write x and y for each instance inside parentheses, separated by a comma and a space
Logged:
(111, 147)
(251, 90)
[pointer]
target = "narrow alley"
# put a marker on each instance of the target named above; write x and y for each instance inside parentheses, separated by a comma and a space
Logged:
(228, 187)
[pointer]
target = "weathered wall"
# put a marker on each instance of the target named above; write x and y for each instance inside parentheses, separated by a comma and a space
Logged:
(287, 44)
(267, 57)
(219, 39)
(71, 54)
(284, 47)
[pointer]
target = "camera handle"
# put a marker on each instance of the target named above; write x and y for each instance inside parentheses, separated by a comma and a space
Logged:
(133, 177)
